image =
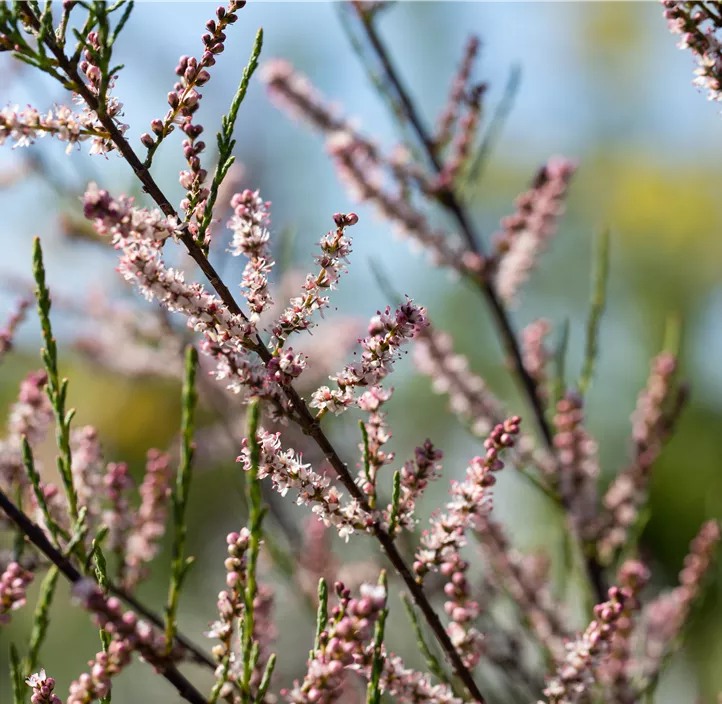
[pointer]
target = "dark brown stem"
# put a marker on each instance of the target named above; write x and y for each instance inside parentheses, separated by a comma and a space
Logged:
(306, 420)
(37, 537)
(502, 321)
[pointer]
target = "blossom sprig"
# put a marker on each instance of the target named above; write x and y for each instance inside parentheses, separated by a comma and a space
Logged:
(650, 426)
(230, 609)
(287, 472)
(14, 582)
(192, 74)
(335, 250)
(575, 678)
(7, 334)
(664, 619)
(471, 498)
(138, 234)
(42, 687)
(578, 463)
(249, 224)
(698, 27)
(530, 591)
(340, 645)
(441, 544)
(387, 334)
(149, 524)
(536, 354)
(295, 93)
(526, 233)
(414, 477)
(376, 434)
(457, 94)
(24, 127)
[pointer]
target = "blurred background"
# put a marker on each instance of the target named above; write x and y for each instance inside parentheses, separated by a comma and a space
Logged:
(602, 83)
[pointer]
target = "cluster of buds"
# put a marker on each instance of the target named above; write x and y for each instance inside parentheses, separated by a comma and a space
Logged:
(340, 646)
(387, 334)
(457, 94)
(14, 582)
(30, 416)
(287, 471)
(535, 354)
(574, 679)
(335, 250)
(230, 606)
(376, 434)
(42, 687)
(249, 225)
(526, 233)
(99, 86)
(88, 469)
(649, 427)
(193, 73)
(415, 477)
(527, 584)
(148, 527)
(471, 500)
(578, 463)
(7, 334)
(441, 545)
(118, 482)
(127, 634)
(697, 26)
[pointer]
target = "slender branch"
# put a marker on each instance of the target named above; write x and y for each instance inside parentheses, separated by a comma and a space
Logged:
(37, 537)
(502, 321)
(306, 420)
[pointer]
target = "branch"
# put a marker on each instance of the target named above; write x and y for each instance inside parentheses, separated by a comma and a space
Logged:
(502, 321)
(37, 537)
(305, 419)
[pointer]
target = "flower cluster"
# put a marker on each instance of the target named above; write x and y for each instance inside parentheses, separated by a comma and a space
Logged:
(665, 617)
(127, 634)
(340, 646)
(527, 585)
(148, 525)
(536, 356)
(287, 471)
(387, 333)
(578, 463)
(415, 477)
(440, 545)
(13, 585)
(335, 250)
(575, 677)
(183, 99)
(25, 126)
(42, 687)
(376, 434)
(30, 416)
(249, 225)
(7, 334)
(457, 93)
(697, 25)
(230, 608)
(650, 426)
(526, 233)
